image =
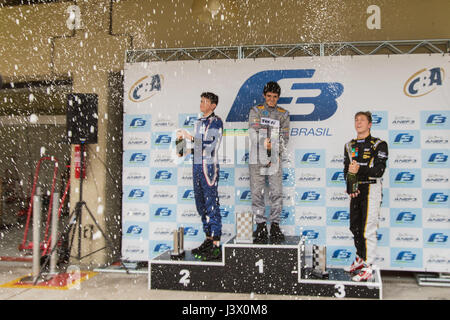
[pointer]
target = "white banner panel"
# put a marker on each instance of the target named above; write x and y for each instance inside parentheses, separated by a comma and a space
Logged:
(409, 96)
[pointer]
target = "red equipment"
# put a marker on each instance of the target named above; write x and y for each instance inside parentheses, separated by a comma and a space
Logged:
(45, 244)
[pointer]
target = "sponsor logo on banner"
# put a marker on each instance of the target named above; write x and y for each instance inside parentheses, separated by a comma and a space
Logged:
(409, 218)
(135, 211)
(335, 178)
(435, 139)
(288, 177)
(435, 120)
(193, 232)
(163, 194)
(288, 196)
(163, 212)
(312, 234)
(137, 123)
(162, 158)
(135, 176)
(164, 124)
(435, 158)
(310, 158)
(310, 196)
(226, 195)
(226, 176)
(135, 230)
(400, 178)
(287, 215)
(403, 122)
(187, 213)
(339, 236)
(250, 94)
(435, 198)
(227, 214)
(306, 177)
(405, 198)
(406, 237)
(185, 177)
(436, 259)
(163, 176)
(338, 216)
(135, 194)
(162, 140)
(436, 238)
(383, 237)
(436, 218)
(435, 178)
(424, 82)
(406, 258)
(136, 158)
(159, 247)
(186, 121)
(136, 140)
(340, 255)
(162, 231)
(145, 88)
(337, 197)
(242, 177)
(379, 120)
(310, 216)
(243, 196)
(186, 194)
(336, 161)
(134, 250)
(404, 158)
(404, 139)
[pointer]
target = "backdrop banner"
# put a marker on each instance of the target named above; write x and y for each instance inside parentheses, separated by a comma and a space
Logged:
(409, 96)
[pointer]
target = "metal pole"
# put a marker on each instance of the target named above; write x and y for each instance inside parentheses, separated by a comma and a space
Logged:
(54, 234)
(36, 236)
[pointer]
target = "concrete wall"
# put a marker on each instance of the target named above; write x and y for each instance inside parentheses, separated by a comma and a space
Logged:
(38, 42)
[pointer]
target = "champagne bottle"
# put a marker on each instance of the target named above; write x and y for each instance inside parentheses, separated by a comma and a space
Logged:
(352, 183)
(180, 146)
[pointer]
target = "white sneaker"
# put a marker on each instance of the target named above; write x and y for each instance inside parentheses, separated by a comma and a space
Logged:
(356, 265)
(366, 274)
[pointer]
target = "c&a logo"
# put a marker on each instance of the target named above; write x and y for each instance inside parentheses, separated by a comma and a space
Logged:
(145, 88)
(423, 82)
(250, 94)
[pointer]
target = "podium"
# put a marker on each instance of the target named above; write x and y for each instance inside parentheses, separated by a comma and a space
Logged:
(257, 268)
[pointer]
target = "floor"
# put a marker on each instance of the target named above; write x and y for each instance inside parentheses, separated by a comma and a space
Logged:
(114, 285)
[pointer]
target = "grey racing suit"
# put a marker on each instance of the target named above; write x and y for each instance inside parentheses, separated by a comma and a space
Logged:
(273, 122)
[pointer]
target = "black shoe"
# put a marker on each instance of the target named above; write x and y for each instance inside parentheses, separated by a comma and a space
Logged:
(261, 234)
(205, 245)
(276, 236)
(212, 253)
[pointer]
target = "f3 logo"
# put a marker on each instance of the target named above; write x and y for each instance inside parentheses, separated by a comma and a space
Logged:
(251, 94)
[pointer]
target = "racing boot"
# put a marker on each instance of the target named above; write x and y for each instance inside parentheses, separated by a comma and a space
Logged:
(366, 274)
(212, 253)
(261, 235)
(357, 265)
(205, 245)
(276, 236)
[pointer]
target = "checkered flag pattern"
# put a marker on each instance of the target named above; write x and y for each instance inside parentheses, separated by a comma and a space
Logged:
(244, 227)
(319, 257)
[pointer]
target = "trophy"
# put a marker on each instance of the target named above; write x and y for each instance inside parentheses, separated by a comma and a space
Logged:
(178, 244)
(319, 262)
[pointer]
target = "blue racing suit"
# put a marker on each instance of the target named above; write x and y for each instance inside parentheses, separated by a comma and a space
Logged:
(207, 138)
